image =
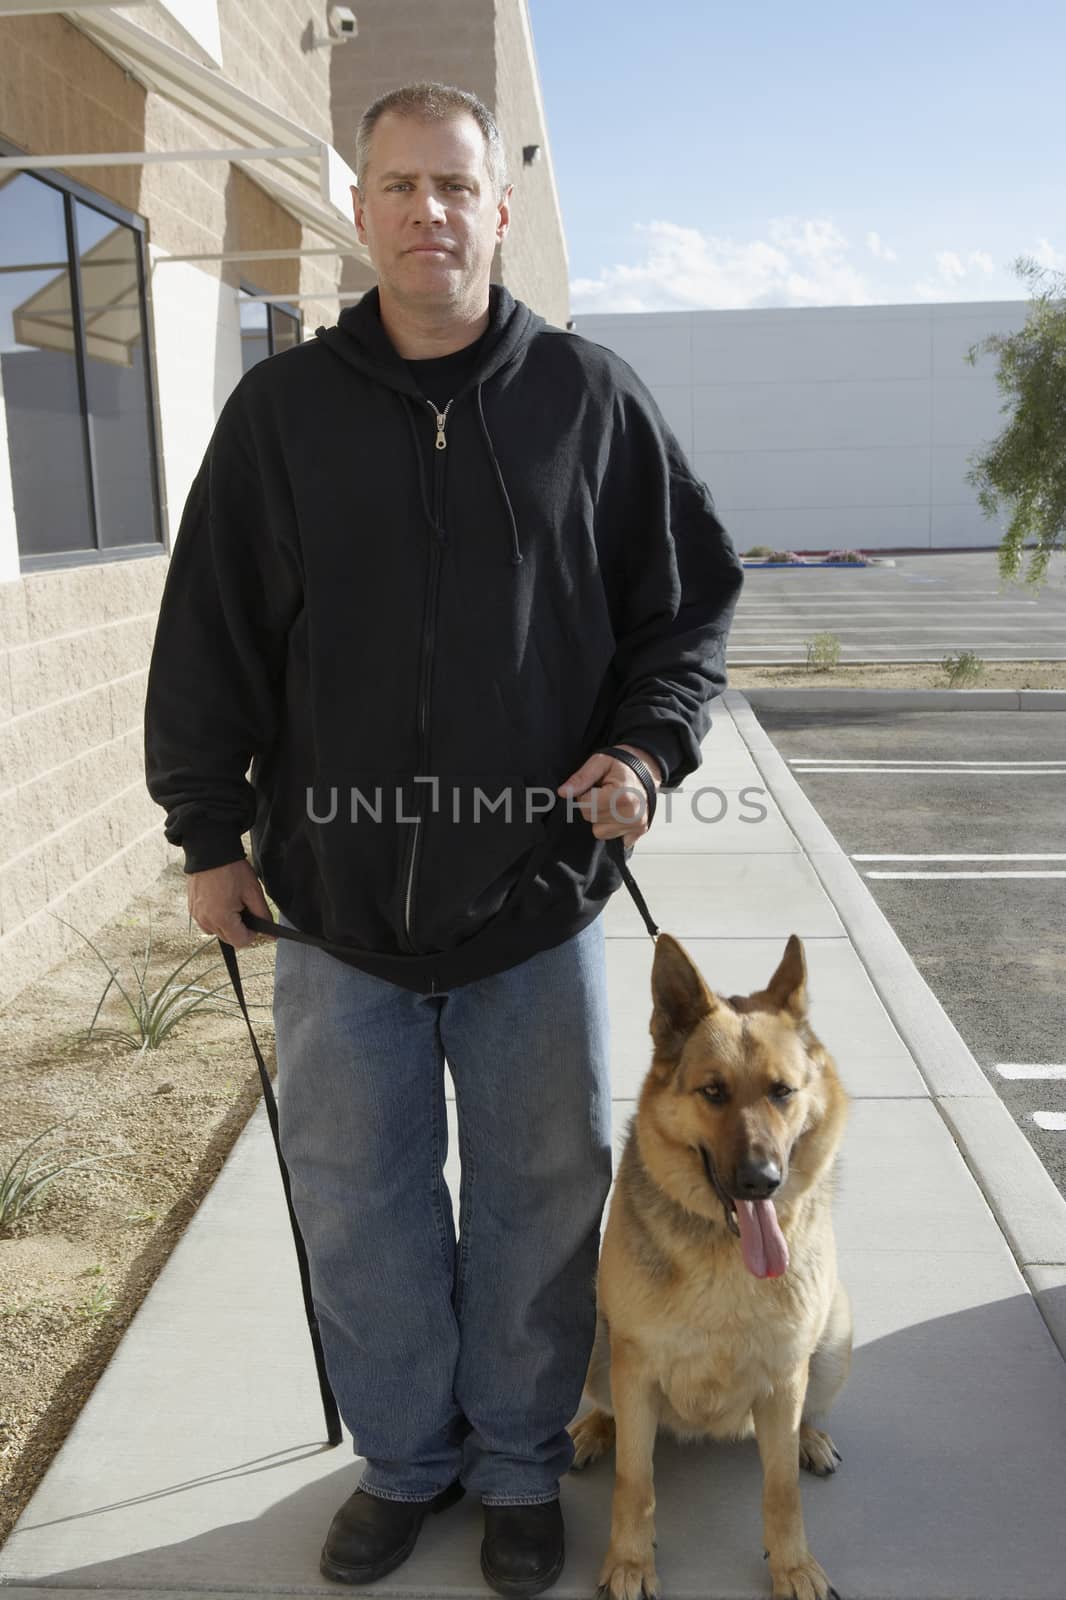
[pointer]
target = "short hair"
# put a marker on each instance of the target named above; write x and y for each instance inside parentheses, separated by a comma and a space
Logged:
(434, 102)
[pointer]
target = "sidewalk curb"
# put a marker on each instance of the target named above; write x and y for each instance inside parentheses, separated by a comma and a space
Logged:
(1022, 1197)
(769, 699)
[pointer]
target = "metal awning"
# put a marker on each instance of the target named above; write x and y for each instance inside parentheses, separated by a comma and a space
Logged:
(195, 21)
(302, 171)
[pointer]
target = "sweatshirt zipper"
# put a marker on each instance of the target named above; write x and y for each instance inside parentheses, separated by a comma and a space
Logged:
(441, 444)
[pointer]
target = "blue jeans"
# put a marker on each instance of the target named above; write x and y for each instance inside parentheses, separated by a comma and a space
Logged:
(451, 1362)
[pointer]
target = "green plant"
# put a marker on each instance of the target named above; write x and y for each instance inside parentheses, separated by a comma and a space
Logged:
(1026, 465)
(20, 1191)
(823, 652)
(963, 668)
(10, 1309)
(97, 1304)
(759, 550)
(155, 1013)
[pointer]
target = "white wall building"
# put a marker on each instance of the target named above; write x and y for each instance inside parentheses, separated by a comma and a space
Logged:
(821, 428)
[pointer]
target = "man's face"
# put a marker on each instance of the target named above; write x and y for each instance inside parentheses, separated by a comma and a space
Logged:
(428, 212)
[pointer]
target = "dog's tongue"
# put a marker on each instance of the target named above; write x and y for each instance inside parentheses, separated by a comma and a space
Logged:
(762, 1243)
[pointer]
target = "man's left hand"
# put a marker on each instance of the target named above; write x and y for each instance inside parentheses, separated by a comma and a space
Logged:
(604, 784)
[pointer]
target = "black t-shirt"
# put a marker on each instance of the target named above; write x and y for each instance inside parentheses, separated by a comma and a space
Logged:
(439, 377)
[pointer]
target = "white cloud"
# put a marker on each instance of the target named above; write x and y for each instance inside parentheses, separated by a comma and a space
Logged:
(877, 248)
(951, 267)
(952, 270)
(801, 263)
(1046, 255)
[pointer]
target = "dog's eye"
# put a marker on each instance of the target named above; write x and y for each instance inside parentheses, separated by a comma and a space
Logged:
(782, 1091)
(715, 1094)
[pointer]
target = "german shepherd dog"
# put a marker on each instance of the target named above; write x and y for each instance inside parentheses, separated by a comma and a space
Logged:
(719, 1312)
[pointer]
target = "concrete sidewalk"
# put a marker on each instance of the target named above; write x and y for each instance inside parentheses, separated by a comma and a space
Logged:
(198, 1464)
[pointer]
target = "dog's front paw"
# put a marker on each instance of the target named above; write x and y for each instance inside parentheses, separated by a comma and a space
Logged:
(623, 1578)
(801, 1580)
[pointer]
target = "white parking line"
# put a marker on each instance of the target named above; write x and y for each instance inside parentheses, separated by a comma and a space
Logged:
(1037, 650)
(768, 601)
(1054, 1121)
(875, 608)
(943, 875)
(1003, 855)
(947, 772)
(750, 653)
(1031, 1069)
(758, 631)
(934, 761)
(889, 594)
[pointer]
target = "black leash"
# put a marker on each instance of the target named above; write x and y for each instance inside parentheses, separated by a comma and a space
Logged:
(275, 930)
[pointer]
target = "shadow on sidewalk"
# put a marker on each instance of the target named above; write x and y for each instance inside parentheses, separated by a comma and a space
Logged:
(952, 1433)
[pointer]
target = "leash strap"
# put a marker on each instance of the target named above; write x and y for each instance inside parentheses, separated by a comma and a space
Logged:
(262, 925)
(329, 1403)
(621, 855)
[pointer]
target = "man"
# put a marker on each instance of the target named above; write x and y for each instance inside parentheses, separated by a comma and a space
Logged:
(443, 555)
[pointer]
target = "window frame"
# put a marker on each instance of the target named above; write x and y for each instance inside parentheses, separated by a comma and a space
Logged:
(71, 190)
(291, 309)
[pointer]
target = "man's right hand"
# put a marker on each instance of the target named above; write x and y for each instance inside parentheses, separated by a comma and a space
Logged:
(217, 897)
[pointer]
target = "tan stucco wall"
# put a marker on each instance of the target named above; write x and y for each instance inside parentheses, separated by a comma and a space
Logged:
(534, 264)
(79, 833)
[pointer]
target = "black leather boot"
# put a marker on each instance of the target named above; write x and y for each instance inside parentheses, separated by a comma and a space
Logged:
(370, 1536)
(523, 1550)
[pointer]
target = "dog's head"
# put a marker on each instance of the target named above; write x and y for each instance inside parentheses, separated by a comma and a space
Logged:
(744, 1087)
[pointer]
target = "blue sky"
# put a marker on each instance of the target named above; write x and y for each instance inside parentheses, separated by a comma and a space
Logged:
(760, 153)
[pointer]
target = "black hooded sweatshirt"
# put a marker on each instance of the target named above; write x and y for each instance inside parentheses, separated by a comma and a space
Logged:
(388, 633)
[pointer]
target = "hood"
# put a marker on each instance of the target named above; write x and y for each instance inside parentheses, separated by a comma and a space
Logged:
(359, 338)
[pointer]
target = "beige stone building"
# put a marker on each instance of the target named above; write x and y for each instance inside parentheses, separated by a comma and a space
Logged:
(133, 293)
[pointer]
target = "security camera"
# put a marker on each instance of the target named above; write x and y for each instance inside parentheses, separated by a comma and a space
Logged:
(342, 23)
(342, 27)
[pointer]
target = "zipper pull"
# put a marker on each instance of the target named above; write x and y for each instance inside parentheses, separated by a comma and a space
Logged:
(442, 418)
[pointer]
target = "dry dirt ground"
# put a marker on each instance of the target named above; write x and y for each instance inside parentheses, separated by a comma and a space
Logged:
(901, 675)
(74, 1270)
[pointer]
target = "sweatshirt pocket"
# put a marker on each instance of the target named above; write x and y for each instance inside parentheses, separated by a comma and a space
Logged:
(474, 838)
(356, 823)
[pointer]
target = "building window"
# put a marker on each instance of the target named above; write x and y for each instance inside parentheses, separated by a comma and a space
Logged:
(75, 382)
(266, 328)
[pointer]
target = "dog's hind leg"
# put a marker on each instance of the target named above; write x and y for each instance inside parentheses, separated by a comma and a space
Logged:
(593, 1434)
(829, 1367)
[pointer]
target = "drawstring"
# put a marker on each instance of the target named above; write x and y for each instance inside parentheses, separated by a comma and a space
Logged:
(419, 467)
(516, 558)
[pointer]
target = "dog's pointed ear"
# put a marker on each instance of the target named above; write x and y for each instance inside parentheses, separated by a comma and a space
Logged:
(787, 989)
(680, 998)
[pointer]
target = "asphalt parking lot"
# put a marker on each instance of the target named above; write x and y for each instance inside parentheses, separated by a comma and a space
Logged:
(925, 607)
(957, 823)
